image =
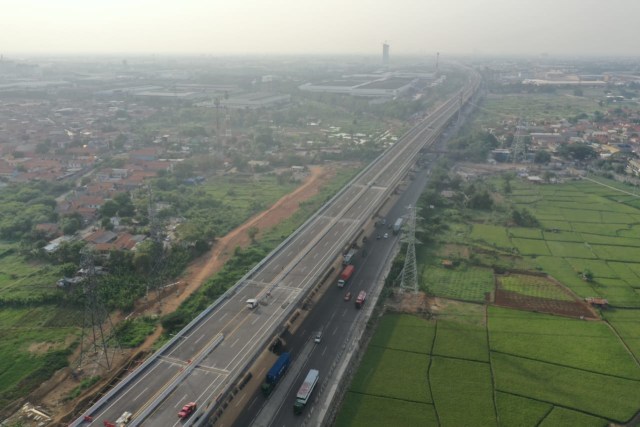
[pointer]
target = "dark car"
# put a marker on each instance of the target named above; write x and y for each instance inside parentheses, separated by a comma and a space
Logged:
(187, 410)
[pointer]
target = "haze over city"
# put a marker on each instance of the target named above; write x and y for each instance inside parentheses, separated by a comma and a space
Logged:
(576, 27)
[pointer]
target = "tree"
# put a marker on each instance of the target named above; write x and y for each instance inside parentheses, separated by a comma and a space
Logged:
(542, 157)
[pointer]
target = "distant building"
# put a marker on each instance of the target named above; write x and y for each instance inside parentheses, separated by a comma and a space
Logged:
(385, 53)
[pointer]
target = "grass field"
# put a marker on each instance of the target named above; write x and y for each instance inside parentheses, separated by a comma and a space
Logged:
(568, 342)
(464, 283)
(365, 410)
(454, 381)
(491, 235)
(588, 392)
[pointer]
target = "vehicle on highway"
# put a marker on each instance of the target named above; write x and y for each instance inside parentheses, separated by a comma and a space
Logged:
(318, 337)
(362, 296)
(252, 303)
(345, 275)
(378, 237)
(276, 372)
(187, 410)
(384, 221)
(348, 257)
(124, 419)
(386, 235)
(397, 226)
(305, 390)
(347, 296)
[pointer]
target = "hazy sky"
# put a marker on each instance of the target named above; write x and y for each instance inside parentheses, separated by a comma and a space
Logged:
(320, 26)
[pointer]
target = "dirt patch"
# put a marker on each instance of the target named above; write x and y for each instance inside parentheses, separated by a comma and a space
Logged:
(40, 348)
(455, 251)
(515, 300)
(196, 274)
(408, 302)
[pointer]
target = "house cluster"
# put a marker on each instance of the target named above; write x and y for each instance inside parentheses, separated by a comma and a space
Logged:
(615, 135)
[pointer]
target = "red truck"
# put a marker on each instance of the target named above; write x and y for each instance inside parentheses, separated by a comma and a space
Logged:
(345, 275)
(362, 296)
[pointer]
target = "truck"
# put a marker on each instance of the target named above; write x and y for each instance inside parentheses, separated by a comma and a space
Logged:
(305, 390)
(276, 372)
(362, 296)
(348, 257)
(345, 275)
(397, 226)
(252, 303)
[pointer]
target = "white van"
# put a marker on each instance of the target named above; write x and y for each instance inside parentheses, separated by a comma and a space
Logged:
(252, 303)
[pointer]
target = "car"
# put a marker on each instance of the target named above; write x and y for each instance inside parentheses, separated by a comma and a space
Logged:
(347, 296)
(378, 237)
(187, 410)
(384, 221)
(386, 235)
(124, 419)
(318, 337)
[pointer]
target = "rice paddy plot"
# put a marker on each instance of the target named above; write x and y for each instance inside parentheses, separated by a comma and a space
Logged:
(627, 272)
(572, 388)
(461, 340)
(627, 325)
(616, 218)
(618, 296)
(598, 228)
(570, 342)
(562, 236)
(616, 253)
(393, 373)
(463, 283)
(364, 410)
(520, 411)
(596, 239)
(534, 286)
(454, 381)
(561, 417)
(572, 249)
(491, 234)
(561, 270)
(632, 232)
(599, 268)
(531, 246)
(527, 233)
(401, 332)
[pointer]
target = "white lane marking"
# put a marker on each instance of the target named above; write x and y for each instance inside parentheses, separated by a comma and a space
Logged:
(252, 402)
(334, 331)
(198, 340)
(255, 320)
(325, 350)
(344, 312)
(235, 342)
(223, 316)
(140, 394)
(180, 404)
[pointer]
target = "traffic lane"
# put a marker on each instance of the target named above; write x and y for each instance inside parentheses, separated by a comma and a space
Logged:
(136, 396)
(336, 316)
(166, 414)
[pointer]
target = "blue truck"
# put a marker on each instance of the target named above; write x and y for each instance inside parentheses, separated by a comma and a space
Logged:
(276, 372)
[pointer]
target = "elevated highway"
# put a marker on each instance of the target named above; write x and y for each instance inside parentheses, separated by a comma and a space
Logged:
(208, 361)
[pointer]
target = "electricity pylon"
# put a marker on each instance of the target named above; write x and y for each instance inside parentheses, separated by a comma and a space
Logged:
(98, 339)
(409, 273)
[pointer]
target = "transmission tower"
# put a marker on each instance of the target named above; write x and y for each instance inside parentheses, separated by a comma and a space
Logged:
(519, 151)
(409, 273)
(98, 339)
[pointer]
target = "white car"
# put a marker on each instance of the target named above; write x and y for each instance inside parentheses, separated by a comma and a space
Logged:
(318, 337)
(386, 235)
